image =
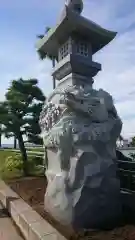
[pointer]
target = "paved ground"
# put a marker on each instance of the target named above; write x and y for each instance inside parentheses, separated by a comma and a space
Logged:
(7, 229)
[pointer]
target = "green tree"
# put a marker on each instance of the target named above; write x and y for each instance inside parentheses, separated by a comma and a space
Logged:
(15, 142)
(133, 142)
(44, 55)
(33, 129)
(16, 113)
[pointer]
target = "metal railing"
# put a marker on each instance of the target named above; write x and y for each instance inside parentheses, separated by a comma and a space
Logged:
(126, 173)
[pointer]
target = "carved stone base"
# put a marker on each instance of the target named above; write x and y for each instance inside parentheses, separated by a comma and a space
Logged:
(88, 196)
(82, 124)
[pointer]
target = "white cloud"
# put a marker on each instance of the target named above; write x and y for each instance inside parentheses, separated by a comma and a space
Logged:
(117, 15)
(118, 77)
(125, 108)
(118, 58)
(129, 128)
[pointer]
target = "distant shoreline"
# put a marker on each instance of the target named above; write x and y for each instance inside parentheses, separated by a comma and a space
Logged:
(17, 147)
(126, 148)
(32, 146)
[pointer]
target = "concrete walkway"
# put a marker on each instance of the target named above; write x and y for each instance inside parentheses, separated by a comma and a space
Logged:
(7, 228)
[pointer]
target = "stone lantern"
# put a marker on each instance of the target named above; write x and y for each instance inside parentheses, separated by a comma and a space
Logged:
(72, 42)
(80, 126)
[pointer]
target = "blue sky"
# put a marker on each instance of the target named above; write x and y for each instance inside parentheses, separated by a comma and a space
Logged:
(21, 21)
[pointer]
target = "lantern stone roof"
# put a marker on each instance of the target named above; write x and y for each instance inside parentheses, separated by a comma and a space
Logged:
(73, 23)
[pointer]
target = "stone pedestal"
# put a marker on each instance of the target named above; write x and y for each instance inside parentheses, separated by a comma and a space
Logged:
(83, 189)
(86, 197)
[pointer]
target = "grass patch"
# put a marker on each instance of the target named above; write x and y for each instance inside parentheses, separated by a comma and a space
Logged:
(35, 149)
(35, 154)
(4, 173)
(9, 171)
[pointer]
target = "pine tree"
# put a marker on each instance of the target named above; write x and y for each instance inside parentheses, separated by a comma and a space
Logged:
(19, 114)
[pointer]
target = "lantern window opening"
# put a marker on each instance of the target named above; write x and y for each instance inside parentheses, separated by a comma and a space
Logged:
(64, 50)
(82, 49)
